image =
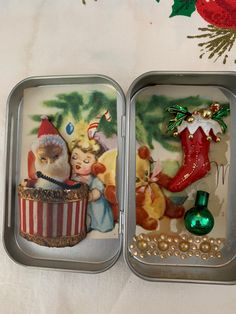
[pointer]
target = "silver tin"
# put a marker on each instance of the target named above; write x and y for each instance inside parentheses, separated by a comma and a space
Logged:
(105, 252)
(90, 255)
(174, 269)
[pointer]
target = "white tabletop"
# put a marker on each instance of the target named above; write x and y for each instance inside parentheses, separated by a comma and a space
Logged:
(121, 39)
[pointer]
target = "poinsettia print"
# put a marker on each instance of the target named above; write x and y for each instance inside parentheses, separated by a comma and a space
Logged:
(183, 7)
(220, 13)
(218, 37)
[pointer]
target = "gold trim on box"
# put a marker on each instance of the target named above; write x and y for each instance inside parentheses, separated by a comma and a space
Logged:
(55, 196)
(62, 241)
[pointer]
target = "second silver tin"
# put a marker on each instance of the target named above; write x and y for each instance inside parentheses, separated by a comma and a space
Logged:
(170, 252)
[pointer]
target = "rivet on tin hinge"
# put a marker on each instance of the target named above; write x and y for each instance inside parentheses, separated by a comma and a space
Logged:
(121, 223)
(123, 126)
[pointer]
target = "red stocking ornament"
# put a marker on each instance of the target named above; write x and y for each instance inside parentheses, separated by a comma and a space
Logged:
(196, 131)
(196, 162)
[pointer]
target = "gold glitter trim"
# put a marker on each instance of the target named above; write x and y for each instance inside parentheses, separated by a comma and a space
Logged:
(54, 242)
(183, 246)
(53, 196)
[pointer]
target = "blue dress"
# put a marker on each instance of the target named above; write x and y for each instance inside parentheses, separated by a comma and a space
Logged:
(99, 212)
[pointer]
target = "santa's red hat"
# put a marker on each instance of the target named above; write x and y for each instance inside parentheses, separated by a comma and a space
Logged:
(47, 135)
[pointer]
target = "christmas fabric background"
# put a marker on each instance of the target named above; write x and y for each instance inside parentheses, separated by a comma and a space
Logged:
(122, 39)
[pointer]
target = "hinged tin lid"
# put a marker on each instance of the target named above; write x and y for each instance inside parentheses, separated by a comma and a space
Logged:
(80, 119)
(157, 245)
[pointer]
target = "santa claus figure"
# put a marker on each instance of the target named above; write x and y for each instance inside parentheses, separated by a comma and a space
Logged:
(48, 164)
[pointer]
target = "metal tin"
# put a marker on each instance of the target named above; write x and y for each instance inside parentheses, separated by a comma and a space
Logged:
(95, 255)
(90, 255)
(173, 268)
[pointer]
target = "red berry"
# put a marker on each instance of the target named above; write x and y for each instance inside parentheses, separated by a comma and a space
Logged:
(144, 152)
(220, 13)
(215, 107)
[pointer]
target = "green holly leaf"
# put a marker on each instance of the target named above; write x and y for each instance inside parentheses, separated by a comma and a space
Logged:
(183, 7)
(157, 0)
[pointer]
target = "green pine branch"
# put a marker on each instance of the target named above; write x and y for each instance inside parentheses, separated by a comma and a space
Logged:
(34, 131)
(98, 103)
(35, 117)
(73, 103)
(55, 104)
(154, 118)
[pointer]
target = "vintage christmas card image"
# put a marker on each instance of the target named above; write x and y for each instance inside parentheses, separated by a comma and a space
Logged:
(67, 191)
(182, 170)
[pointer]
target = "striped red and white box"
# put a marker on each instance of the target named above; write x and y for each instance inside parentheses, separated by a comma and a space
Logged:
(53, 220)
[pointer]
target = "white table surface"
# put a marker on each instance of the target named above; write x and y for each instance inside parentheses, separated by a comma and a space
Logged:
(122, 39)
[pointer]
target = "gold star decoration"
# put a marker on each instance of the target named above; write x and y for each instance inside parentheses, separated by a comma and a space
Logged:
(183, 246)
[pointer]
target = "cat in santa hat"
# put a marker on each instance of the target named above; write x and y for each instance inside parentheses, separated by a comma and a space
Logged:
(48, 157)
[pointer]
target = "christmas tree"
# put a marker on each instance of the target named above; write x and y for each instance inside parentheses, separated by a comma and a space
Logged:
(151, 115)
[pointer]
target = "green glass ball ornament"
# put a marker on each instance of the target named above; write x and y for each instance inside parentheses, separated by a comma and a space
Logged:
(199, 220)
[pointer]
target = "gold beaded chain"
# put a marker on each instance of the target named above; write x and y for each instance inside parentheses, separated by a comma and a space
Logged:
(183, 246)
